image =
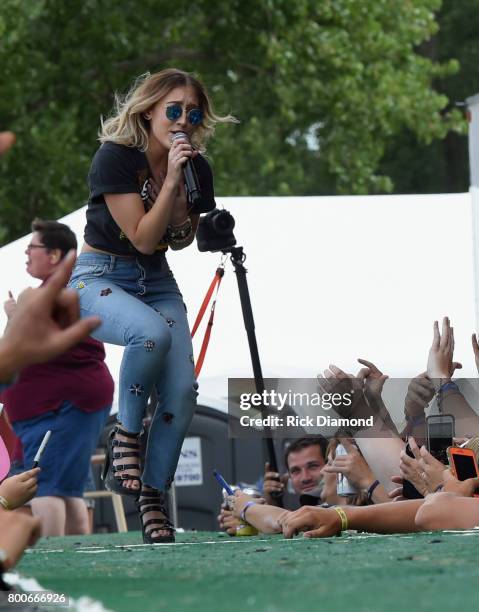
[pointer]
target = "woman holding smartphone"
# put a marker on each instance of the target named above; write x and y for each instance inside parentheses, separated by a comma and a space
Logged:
(137, 209)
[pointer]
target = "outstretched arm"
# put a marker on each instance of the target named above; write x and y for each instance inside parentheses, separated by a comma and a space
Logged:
(440, 368)
(392, 517)
(447, 511)
(258, 514)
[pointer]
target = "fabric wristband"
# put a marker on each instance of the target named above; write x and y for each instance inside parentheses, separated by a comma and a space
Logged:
(370, 491)
(343, 517)
(247, 505)
(448, 386)
(4, 503)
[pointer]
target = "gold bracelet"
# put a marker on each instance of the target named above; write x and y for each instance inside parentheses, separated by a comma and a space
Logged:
(4, 503)
(343, 517)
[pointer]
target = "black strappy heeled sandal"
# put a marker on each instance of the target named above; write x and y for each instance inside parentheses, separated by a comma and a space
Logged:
(113, 481)
(155, 501)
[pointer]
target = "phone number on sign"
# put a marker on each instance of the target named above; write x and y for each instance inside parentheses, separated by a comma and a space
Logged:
(45, 597)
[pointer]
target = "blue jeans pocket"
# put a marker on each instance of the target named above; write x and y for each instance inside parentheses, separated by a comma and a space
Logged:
(81, 271)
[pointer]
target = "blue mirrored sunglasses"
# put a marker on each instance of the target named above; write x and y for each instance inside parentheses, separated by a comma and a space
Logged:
(174, 112)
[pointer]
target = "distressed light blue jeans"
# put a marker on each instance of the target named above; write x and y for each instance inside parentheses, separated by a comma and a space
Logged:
(142, 309)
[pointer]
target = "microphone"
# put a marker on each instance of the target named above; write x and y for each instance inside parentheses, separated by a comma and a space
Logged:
(192, 183)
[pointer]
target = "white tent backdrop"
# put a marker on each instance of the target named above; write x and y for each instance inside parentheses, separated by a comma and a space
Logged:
(331, 279)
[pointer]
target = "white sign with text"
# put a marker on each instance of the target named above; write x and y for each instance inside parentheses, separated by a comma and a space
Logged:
(190, 466)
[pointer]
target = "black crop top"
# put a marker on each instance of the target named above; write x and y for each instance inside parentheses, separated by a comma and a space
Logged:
(120, 169)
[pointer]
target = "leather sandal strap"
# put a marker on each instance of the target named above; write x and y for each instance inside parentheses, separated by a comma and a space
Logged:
(134, 445)
(162, 524)
(152, 508)
(128, 454)
(126, 466)
(127, 477)
(158, 494)
(127, 434)
(158, 503)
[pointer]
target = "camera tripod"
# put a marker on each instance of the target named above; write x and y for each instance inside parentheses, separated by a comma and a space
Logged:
(238, 257)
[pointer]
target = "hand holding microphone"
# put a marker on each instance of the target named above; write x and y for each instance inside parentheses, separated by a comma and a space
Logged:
(190, 176)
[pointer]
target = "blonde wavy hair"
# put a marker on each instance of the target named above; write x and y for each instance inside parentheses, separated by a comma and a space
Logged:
(128, 126)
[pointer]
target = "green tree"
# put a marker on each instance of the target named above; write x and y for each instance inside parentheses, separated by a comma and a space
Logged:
(320, 89)
(443, 165)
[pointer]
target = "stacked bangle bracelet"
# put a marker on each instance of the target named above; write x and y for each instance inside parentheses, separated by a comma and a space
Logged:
(4, 503)
(343, 517)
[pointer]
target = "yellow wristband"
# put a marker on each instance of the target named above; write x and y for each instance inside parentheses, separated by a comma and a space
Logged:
(343, 517)
(4, 503)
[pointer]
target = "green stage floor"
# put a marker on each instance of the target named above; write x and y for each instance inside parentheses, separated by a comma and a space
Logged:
(211, 571)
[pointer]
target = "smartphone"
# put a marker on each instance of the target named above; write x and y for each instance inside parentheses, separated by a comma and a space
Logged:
(409, 491)
(463, 462)
(440, 432)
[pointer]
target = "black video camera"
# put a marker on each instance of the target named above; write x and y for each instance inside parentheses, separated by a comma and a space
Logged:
(215, 231)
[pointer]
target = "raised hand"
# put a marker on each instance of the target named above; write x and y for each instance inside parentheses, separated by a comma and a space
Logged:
(420, 392)
(7, 139)
(439, 363)
(273, 483)
(9, 305)
(352, 465)
(334, 380)
(373, 378)
(475, 348)
(45, 324)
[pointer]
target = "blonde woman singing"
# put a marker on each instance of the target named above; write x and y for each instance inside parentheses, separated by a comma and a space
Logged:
(137, 209)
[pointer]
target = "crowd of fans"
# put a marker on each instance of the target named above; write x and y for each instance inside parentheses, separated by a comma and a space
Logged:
(375, 467)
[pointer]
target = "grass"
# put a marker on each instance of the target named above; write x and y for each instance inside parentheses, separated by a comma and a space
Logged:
(210, 571)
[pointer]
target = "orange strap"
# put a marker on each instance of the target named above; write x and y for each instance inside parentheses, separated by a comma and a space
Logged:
(216, 282)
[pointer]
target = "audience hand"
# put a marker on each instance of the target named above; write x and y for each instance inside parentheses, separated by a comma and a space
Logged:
(7, 139)
(374, 380)
(352, 465)
(439, 363)
(45, 323)
(420, 392)
(335, 380)
(425, 472)
(396, 494)
(475, 348)
(19, 489)
(17, 531)
(9, 305)
(273, 482)
(464, 488)
(313, 521)
(227, 521)
(238, 501)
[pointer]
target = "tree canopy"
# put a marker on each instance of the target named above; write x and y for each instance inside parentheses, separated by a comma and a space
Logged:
(321, 89)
